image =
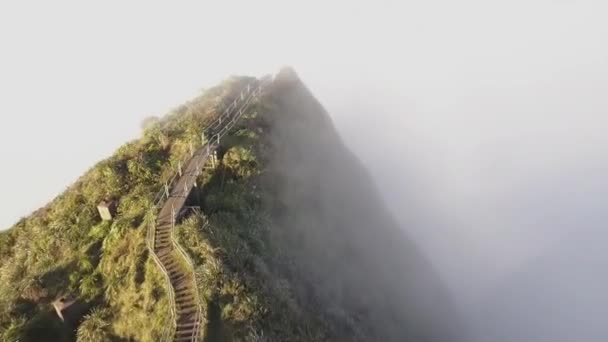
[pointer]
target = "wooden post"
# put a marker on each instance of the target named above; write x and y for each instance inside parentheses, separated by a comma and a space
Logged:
(179, 168)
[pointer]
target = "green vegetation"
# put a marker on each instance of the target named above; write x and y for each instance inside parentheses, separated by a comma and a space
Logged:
(246, 299)
(65, 248)
(281, 247)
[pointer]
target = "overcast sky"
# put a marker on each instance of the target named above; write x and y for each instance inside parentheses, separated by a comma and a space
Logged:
(489, 116)
(78, 78)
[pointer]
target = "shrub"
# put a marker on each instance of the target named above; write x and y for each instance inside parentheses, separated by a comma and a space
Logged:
(95, 326)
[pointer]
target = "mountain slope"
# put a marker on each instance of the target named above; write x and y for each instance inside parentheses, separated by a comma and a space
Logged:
(293, 242)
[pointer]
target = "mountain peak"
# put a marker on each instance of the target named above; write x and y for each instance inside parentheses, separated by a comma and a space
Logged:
(287, 74)
(282, 235)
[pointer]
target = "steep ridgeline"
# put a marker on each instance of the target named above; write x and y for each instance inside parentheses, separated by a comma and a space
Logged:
(114, 267)
(295, 243)
(355, 265)
(174, 263)
(288, 239)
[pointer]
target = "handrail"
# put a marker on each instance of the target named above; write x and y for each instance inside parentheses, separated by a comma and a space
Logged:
(195, 333)
(245, 96)
(230, 116)
(171, 292)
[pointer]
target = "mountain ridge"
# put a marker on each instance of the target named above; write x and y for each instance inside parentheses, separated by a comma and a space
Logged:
(293, 242)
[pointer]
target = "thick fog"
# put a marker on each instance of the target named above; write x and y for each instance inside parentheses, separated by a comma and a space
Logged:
(488, 141)
(363, 272)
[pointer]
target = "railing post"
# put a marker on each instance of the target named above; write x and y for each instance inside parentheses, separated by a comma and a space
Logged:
(179, 168)
(167, 190)
(191, 149)
(172, 216)
(186, 189)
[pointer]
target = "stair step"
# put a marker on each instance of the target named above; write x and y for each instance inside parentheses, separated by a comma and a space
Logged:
(189, 301)
(172, 267)
(190, 309)
(186, 325)
(183, 292)
(188, 317)
(178, 277)
(175, 274)
(185, 332)
(167, 258)
(162, 252)
(170, 263)
(174, 271)
(184, 297)
(182, 287)
(186, 308)
(186, 303)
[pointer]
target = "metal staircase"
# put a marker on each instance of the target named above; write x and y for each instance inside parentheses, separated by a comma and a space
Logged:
(175, 264)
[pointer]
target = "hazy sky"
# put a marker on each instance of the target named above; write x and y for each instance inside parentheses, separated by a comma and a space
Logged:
(489, 115)
(77, 79)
